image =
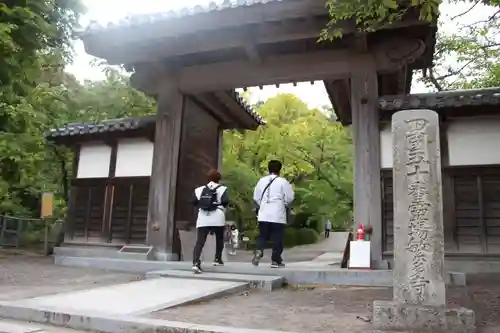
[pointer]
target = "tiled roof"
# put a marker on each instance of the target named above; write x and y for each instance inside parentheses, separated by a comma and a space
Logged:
(249, 109)
(218, 5)
(442, 99)
(132, 123)
(111, 125)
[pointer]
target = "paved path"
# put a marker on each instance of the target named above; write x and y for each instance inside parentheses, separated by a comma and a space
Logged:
(31, 276)
(303, 253)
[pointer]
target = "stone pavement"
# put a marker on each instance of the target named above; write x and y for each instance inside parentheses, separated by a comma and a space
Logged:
(10, 326)
(133, 298)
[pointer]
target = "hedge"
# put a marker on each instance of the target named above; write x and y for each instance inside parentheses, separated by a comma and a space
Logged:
(306, 236)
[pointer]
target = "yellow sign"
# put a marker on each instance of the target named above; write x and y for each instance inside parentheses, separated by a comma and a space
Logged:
(47, 204)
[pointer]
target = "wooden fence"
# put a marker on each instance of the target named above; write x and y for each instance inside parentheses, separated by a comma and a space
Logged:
(21, 232)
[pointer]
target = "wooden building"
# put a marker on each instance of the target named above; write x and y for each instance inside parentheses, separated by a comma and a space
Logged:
(235, 44)
(110, 189)
(470, 153)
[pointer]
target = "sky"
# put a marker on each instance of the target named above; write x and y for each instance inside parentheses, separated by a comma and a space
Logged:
(312, 94)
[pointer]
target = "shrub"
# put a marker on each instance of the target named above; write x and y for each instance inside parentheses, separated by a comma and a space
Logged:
(291, 236)
(306, 236)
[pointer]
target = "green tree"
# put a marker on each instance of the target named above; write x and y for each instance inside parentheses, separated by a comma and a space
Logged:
(316, 154)
(29, 30)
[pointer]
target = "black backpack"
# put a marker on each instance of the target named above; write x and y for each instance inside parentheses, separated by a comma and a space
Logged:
(208, 199)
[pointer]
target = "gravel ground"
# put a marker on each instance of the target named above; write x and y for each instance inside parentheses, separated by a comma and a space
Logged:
(324, 309)
(25, 276)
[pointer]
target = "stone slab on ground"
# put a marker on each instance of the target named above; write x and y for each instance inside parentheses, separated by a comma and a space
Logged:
(293, 275)
(134, 298)
(394, 316)
(112, 324)
(264, 282)
(100, 252)
(10, 327)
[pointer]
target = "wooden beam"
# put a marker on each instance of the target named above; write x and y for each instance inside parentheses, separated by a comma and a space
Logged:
(163, 184)
(253, 53)
(312, 66)
(209, 104)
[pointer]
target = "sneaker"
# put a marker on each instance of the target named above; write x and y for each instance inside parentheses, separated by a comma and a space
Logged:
(275, 264)
(218, 262)
(257, 255)
(197, 269)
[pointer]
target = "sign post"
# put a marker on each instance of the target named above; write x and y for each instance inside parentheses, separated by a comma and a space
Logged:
(45, 213)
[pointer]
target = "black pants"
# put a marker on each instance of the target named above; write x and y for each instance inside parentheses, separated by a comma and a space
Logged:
(201, 238)
(327, 233)
(274, 232)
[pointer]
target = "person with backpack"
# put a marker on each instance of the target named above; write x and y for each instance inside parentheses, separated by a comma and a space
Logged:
(211, 201)
(273, 195)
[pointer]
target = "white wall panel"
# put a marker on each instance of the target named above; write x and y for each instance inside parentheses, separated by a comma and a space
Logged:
(134, 158)
(94, 160)
(474, 141)
(386, 147)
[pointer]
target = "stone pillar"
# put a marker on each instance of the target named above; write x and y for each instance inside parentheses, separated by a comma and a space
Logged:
(419, 299)
(163, 183)
(366, 137)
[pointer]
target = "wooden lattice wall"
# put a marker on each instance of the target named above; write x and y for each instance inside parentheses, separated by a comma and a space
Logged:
(471, 215)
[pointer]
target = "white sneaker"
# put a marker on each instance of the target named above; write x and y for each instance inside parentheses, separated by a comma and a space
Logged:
(197, 269)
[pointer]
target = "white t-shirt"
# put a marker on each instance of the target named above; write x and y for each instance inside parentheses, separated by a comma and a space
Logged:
(274, 201)
(216, 218)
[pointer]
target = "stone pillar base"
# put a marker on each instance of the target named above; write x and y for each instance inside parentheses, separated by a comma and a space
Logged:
(381, 264)
(392, 316)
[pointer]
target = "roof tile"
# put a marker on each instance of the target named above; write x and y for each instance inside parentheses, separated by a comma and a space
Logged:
(442, 99)
(137, 20)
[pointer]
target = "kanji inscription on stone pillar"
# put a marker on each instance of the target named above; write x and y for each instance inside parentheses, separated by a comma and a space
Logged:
(418, 214)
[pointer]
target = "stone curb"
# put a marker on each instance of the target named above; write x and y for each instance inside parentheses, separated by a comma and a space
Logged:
(263, 282)
(112, 324)
(292, 275)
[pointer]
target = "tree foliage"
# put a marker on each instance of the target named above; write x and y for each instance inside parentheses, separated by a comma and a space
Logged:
(316, 154)
(468, 57)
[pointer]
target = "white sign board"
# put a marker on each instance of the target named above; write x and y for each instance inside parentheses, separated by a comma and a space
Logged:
(360, 255)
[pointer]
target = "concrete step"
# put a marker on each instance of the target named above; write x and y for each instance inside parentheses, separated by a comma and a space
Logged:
(98, 252)
(264, 282)
(68, 321)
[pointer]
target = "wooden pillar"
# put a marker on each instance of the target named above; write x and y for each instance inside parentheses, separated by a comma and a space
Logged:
(219, 148)
(69, 224)
(163, 183)
(366, 137)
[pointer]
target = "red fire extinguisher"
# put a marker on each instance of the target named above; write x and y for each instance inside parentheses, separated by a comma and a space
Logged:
(361, 232)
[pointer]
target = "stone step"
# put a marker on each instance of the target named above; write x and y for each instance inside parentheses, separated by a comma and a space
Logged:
(99, 252)
(264, 282)
(65, 321)
(135, 298)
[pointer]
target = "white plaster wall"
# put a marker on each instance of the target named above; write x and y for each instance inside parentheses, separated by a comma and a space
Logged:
(474, 141)
(386, 147)
(94, 161)
(134, 158)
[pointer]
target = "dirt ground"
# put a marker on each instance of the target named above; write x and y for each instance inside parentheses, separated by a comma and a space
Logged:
(322, 310)
(24, 275)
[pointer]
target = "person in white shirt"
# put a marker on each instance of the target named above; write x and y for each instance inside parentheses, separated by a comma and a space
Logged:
(273, 194)
(211, 201)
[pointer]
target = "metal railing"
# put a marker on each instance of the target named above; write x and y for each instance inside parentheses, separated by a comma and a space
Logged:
(20, 232)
